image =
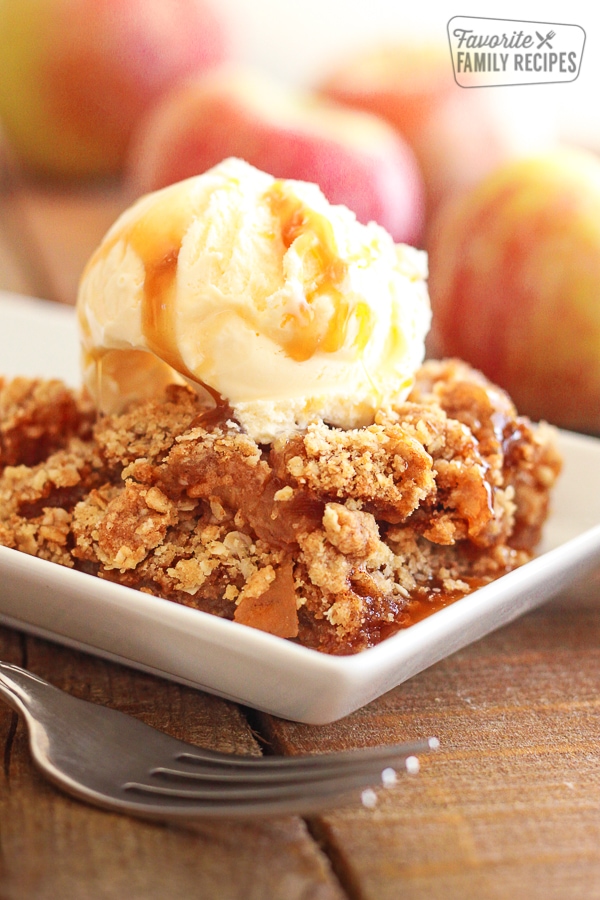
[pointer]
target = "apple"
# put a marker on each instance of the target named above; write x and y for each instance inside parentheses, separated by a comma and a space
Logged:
(515, 284)
(457, 134)
(77, 75)
(354, 157)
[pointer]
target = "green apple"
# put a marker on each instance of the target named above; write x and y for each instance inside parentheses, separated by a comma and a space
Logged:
(77, 75)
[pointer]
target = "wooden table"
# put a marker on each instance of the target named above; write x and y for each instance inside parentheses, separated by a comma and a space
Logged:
(508, 808)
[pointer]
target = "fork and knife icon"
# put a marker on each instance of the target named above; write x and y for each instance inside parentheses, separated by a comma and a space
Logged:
(545, 41)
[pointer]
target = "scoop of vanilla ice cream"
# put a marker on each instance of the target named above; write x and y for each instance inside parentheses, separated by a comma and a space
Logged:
(260, 291)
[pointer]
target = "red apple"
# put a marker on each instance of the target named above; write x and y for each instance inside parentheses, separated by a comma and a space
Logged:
(457, 134)
(515, 284)
(77, 75)
(357, 159)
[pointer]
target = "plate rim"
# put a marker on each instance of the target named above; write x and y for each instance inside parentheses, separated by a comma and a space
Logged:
(348, 681)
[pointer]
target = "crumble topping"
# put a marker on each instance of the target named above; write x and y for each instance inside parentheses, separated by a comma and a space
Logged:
(333, 538)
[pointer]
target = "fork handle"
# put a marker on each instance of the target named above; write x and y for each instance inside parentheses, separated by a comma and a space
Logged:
(17, 686)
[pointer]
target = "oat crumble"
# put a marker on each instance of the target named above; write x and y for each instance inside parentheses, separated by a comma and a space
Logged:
(332, 538)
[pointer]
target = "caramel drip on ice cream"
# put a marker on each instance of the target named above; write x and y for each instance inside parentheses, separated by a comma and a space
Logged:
(314, 240)
(321, 314)
(157, 238)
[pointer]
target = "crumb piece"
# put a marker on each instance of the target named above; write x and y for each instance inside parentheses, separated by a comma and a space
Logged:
(39, 417)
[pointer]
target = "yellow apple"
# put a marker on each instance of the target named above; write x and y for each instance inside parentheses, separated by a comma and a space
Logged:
(77, 75)
(515, 284)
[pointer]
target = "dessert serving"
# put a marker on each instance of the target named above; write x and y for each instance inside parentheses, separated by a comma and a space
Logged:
(258, 435)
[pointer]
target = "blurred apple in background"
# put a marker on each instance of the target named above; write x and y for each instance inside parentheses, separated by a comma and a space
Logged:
(76, 75)
(356, 158)
(515, 284)
(458, 134)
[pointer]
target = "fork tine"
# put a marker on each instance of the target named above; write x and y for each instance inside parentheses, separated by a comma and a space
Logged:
(156, 806)
(312, 762)
(303, 787)
(226, 792)
(273, 777)
(299, 768)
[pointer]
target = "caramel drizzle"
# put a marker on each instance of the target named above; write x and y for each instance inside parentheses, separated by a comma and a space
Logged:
(314, 238)
(157, 240)
(156, 237)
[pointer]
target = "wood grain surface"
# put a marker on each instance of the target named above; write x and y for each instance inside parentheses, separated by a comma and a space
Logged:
(508, 807)
(48, 233)
(55, 847)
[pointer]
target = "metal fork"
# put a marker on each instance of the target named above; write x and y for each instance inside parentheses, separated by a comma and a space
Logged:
(117, 762)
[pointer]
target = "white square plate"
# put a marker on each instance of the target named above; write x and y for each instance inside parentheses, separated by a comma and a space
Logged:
(238, 662)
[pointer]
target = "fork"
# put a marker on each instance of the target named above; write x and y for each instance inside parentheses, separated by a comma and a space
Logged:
(117, 762)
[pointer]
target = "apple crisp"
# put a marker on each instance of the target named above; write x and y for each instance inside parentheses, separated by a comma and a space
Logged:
(335, 539)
